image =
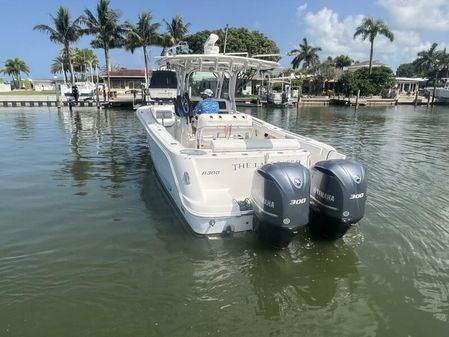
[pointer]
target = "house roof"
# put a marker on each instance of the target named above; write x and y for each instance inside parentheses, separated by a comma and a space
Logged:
(410, 79)
(136, 73)
(365, 64)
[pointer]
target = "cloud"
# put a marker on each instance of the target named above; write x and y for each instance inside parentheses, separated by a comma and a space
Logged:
(334, 35)
(428, 15)
(301, 9)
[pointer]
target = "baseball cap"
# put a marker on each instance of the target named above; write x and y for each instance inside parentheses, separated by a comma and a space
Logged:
(207, 92)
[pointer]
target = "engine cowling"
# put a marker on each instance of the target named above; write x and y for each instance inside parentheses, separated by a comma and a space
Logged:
(337, 196)
(280, 196)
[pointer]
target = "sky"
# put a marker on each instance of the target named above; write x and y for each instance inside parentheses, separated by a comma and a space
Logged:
(329, 24)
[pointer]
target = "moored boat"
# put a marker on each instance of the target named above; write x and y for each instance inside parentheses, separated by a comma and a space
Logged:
(441, 93)
(236, 172)
(86, 90)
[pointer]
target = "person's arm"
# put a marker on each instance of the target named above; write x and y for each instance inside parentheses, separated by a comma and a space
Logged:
(198, 107)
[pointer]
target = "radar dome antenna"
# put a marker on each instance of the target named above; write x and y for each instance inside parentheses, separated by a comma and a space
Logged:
(209, 45)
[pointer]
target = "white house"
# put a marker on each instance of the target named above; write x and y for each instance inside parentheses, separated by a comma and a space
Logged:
(408, 85)
(5, 87)
(41, 85)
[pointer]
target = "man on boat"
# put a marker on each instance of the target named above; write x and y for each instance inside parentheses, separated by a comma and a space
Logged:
(208, 105)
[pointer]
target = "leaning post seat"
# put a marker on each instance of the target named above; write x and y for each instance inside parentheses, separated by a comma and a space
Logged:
(219, 120)
(214, 126)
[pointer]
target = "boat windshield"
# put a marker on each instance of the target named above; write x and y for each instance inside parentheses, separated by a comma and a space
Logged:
(218, 83)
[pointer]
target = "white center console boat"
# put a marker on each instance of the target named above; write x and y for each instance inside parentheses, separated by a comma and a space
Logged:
(238, 173)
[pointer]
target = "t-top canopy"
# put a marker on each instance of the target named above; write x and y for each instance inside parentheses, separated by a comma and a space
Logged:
(215, 63)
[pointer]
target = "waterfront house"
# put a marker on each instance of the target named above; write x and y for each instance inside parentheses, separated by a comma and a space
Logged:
(5, 87)
(125, 80)
(41, 85)
(408, 85)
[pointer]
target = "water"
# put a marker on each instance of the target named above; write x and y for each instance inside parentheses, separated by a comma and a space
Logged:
(89, 245)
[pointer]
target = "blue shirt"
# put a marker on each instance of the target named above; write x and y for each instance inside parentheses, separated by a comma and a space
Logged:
(208, 105)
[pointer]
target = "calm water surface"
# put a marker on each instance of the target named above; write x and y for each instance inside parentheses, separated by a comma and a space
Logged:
(89, 245)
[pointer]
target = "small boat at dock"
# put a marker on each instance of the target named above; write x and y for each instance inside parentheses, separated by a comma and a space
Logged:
(441, 93)
(86, 90)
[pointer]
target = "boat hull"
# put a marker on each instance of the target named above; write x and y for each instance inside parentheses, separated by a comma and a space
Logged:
(203, 225)
(211, 186)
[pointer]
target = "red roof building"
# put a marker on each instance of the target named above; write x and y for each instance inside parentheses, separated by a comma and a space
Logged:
(126, 79)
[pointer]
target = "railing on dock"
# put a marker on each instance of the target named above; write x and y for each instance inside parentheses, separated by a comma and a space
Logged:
(21, 103)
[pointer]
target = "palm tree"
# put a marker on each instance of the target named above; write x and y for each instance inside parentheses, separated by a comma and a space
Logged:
(84, 59)
(176, 30)
(14, 67)
(60, 65)
(64, 32)
(107, 30)
(444, 62)
(428, 63)
(370, 28)
(142, 35)
(305, 54)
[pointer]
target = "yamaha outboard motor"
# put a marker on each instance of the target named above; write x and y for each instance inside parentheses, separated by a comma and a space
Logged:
(280, 196)
(337, 196)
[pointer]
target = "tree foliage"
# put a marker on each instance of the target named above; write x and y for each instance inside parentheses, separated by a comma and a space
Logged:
(305, 54)
(108, 33)
(176, 30)
(406, 70)
(238, 40)
(64, 32)
(433, 63)
(381, 78)
(13, 68)
(84, 60)
(342, 61)
(142, 35)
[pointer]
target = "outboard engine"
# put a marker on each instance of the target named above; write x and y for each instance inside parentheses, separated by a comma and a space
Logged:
(337, 196)
(280, 196)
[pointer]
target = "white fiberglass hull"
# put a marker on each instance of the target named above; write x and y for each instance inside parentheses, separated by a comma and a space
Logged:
(85, 89)
(204, 224)
(442, 94)
(211, 186)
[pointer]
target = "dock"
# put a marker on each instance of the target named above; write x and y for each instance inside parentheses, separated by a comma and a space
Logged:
(363, 101)
(32, 103)
(130, 102)
(13, 101)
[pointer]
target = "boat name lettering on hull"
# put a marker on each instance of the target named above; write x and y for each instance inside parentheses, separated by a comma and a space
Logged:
(254, 165)
(240, 166)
